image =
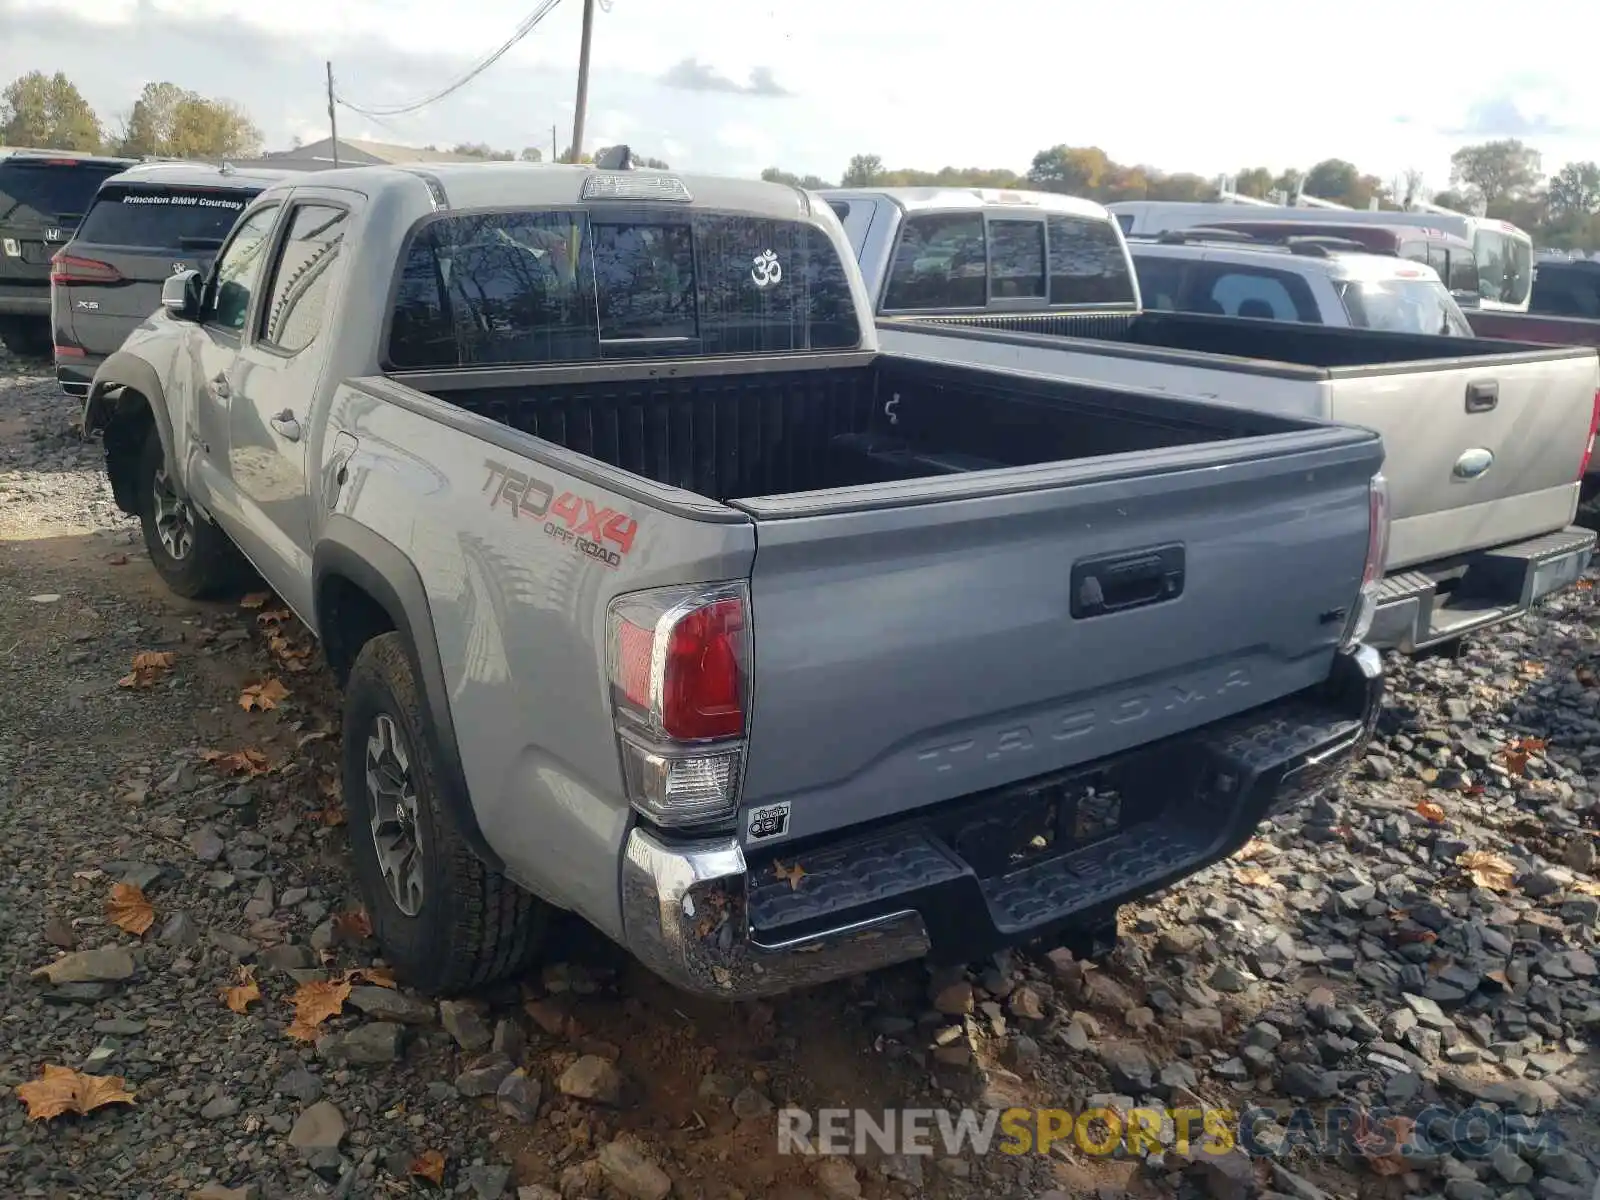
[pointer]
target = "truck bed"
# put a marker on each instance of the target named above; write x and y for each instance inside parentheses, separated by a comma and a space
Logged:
(737, 436)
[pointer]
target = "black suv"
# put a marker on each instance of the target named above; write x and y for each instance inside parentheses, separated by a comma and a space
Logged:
(147, 223)
(43, 194)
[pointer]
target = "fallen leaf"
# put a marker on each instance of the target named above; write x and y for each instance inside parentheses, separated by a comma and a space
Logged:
(128, 909)
(292, 657)
(1487, 870)
(428, 1165)
(242, 994)
(237, 762)
(148, 668)
(314, 1003)
(792, 875)
(376, 976)
(1517, 754)
(1586, 887)
(1381, 1141)
(276, 616)
(63, 1090)
(331, 816)
(1430, 810)
(262, 696)
(1583, 585)
(1424, 936)
(1251, 849)
(353, 926)
(255, 599)
(118, 560)
(1255, 877)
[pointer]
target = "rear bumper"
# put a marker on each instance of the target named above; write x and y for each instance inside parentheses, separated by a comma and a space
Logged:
(25, 299)
(1424, 606)
(966, 878)
(76, 374)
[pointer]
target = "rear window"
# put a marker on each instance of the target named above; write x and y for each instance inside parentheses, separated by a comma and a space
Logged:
(956, 260)
(545, 287)
(45, 192)
(1403, 306)
(164, 218)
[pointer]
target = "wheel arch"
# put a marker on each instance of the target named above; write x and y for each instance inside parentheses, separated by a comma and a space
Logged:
(363, 585)
(124, 401)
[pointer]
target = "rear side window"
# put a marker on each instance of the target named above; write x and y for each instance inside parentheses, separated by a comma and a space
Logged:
(162, 218)
(42, 192)
(546, 287)
(939, 263)
(1242, 292)
(304, 276)
(1087, 263)
(1160, 281)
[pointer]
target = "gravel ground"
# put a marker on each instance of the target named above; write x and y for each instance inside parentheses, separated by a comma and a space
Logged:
(1357, 955)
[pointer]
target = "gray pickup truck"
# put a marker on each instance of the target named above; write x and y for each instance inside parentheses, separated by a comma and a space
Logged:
(1485, 443)
(659, 594)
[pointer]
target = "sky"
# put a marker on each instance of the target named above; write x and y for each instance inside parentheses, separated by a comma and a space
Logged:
(732, 86)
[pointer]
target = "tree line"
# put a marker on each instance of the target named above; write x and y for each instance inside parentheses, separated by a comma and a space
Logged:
(1561, 210)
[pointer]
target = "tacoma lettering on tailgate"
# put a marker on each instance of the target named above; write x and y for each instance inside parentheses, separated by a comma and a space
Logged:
(1076, 722)
(573, 520)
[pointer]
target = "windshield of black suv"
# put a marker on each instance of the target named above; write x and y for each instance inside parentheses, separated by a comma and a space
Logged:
(162, 217)
(47, 191)
(1403, 306)
(530, 288)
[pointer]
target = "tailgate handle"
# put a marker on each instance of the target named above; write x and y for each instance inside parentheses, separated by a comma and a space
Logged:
(1111, 583)
(1482, 397)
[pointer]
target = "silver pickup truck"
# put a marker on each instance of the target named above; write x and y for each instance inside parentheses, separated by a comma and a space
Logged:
(659, 594)
(1485, 443)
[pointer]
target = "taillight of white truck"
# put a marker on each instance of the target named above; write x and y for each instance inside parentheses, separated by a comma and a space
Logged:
(678, 660)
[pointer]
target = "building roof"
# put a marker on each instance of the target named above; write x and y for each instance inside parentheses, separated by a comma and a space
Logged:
(355, 150)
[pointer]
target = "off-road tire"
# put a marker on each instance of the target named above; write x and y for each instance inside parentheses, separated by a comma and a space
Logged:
(474, 925)
(212, 564)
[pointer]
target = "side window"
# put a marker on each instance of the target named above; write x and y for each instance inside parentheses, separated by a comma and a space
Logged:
(1462, 271)
(1264, 295)
(1087, 265)
(496, 288)
(304, 276)
(1016, 260)
(1125, 223)
(940, 263)
(1438, 258)
(238, 270)
(1160, 281)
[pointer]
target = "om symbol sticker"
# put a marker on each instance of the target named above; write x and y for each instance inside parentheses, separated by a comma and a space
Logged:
(767, 270)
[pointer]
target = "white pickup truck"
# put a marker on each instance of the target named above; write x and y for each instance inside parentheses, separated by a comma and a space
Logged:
(1485, 441)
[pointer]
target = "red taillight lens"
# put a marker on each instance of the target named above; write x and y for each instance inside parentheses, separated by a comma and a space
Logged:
(69, 352)
(700, 695)
(69, 269)
(1594, 428)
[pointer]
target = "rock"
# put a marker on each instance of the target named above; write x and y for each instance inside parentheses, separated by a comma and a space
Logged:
(594, 1079)
(1129, 1066)
(465, 1023)
(60, 934)
(288, 958)
(206, 844)
(108, 964)
(718, 1087)
(510, 1039)
(483, 1076)
(1306, 1082)
(1468, 1189)
(179, 931)
(300, 1084)
(954, 1000)
(366, 1045)
(1510, 1165)
(518, 1097)
(239, 948)
(631, 1173)
(320, 1127)
(837, 1179)
(1228, 979)
(751, 1104)
(1579, 853)
(387, 1004)
(1025, 1004)
(215, 1191)
(1229, 1176)
(489, 1182)
(537, 1191)
(220, 1107)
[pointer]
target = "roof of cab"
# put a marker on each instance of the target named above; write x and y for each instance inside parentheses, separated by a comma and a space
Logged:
(180, 173)
(480, 185)
(933, 199)
(1349, 265)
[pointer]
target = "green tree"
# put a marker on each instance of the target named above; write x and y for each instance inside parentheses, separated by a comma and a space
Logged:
(1574, 190)
(49, 113)
(809, 182)
(863, 171)
(1332, 179)
(1289, 181)
(531, 154)
(1253, 181)
(1074, 170)
(1497, 171)
(482, 150)
(1183, 185)
(171, 122)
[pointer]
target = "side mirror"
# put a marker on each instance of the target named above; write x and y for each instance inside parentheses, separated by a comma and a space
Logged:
(180, 295)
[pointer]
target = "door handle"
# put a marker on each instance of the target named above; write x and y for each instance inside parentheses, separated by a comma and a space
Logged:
(1483, 396)
(1109, 583)
(221, 388)
(285, 426)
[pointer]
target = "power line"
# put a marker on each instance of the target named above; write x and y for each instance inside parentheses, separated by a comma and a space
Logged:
(523, 29)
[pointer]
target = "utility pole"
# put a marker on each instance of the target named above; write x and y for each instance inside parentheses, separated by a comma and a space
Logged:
(555, 147)
(333, 120)
(583, 82)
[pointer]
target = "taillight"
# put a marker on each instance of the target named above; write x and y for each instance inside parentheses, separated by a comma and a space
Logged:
(69, 269)
(678, 659)
(1360, 622)
(1594, 428)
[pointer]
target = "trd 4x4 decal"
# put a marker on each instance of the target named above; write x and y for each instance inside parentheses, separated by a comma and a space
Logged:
(597, 531)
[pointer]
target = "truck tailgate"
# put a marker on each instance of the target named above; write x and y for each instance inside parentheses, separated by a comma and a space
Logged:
(912, 650)
(1480, 454)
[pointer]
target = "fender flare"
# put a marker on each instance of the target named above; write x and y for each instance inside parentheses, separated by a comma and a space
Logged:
(378, 567)
(122, 369)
